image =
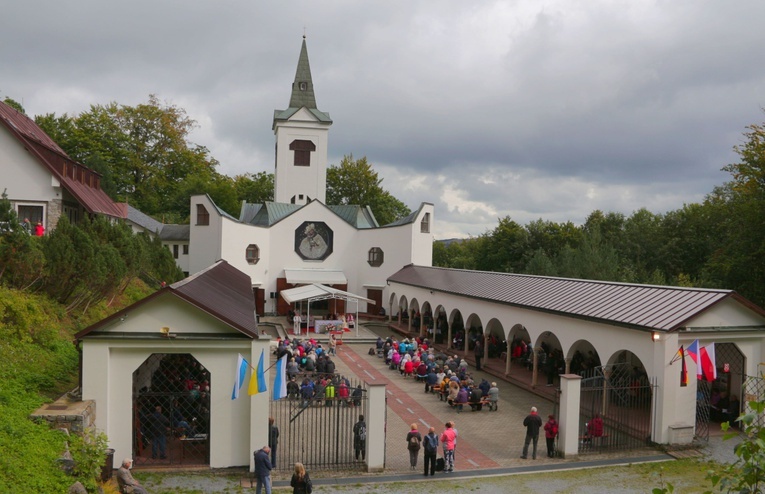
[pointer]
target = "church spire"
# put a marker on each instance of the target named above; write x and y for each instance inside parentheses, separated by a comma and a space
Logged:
(302, 88)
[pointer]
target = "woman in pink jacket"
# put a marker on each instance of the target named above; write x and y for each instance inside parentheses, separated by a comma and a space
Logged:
(448, 438)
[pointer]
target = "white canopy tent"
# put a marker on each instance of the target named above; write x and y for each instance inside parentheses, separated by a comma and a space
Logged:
(317, 291)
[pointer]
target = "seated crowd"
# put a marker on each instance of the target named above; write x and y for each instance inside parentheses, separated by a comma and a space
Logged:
(441, 373)
(312, 377)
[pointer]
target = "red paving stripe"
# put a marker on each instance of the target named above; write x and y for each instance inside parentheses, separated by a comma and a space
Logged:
(467, 457)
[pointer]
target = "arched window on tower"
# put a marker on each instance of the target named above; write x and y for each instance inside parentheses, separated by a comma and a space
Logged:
(303, 150)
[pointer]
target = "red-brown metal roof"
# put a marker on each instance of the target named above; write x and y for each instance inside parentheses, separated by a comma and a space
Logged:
(221, 290)
(79, 180)
(640, 306)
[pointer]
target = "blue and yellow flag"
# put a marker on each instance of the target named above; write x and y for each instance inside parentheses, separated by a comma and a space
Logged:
(258, 379)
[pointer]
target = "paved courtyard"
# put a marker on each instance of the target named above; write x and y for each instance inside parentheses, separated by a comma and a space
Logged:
(487, 439)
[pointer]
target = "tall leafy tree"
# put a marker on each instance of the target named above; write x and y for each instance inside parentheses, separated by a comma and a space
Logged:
(356, 182)
(739, 262)
(503, 249)
(254, 187)
(144, 150)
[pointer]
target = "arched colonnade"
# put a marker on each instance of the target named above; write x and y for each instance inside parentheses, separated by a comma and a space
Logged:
(547, 344)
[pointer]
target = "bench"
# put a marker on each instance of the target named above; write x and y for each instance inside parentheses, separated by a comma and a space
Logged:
(592, 440)
(484, 403)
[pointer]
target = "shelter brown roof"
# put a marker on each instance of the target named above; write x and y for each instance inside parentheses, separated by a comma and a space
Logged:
(639, 306)
(82, 182)
(221, 290)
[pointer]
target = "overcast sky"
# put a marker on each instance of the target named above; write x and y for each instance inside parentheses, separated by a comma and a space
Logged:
(528, 109)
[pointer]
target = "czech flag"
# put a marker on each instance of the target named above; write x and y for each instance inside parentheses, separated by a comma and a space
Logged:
(708, 365)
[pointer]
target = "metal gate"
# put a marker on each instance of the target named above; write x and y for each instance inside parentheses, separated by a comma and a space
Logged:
(703, 393)
(171, 411)
(754, 390)
(318, 432)
(616, 409)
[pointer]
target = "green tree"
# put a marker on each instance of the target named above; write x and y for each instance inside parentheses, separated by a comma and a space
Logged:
(593, 260)
(747, 474)
(254, 187)
(143, 151)
(355, 182)
(14, 104)
(504, 248)
(739, 260)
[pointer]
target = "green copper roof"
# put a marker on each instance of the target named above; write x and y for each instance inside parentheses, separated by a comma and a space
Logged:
(302, 88)
(302, 95)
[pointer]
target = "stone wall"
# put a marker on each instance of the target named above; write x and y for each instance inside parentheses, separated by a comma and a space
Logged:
(74, 416)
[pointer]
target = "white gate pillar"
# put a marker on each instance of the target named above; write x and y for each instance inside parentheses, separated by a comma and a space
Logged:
(376, 427)
(568, 430)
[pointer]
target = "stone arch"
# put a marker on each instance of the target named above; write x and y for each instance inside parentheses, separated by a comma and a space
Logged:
(549, 359)
(426, 328)
(496, 339)
(441, 324)
(456, 329)
(582, 356)
(730, 380)
(402, 310)
(392, 303)
(473, 331)
(414, 315)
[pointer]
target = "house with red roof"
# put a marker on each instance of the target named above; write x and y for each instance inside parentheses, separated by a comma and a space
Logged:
(42, 182)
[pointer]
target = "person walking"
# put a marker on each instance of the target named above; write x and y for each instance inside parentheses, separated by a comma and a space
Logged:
(413, 442)
(360, 438)
(301, 482)
(551, 431)
(273, 439)
(262, 470)
(532, 422)
(448, 438)
(430, 446)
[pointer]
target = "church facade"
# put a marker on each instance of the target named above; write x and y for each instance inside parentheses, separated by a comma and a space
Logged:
(298, 238)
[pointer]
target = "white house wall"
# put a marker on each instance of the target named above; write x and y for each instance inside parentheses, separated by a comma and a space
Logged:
(204, 240)
(26, 180)
(725, 314)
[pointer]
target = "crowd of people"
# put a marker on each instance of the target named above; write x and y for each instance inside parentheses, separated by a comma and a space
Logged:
(448, 375)
(312, 375)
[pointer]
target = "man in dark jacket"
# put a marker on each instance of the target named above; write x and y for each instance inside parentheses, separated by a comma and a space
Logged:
(478, 352)
(262, 470)
(533, 423)
(273, 439)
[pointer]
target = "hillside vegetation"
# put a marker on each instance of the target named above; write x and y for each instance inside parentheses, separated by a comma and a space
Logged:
(50, 288)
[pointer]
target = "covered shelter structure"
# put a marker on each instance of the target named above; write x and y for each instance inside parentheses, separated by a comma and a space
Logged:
(161, 371)
(316, 291)
(568, 330)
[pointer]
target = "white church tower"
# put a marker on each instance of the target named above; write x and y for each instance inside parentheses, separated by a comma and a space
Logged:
(301, 142)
